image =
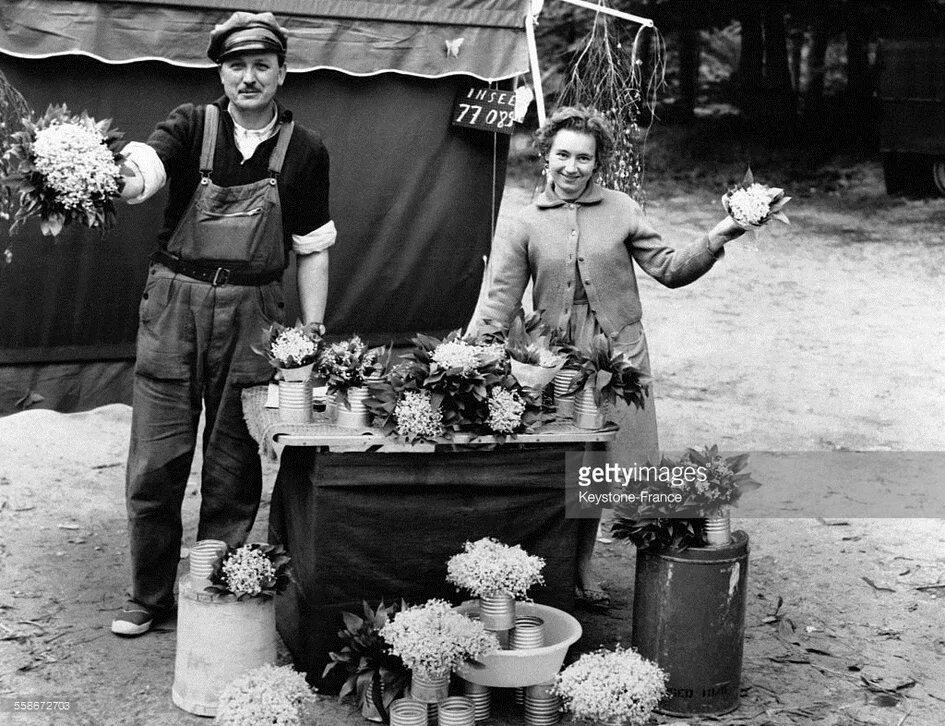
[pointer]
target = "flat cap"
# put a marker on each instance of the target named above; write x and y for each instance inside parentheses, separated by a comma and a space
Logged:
(247, 33)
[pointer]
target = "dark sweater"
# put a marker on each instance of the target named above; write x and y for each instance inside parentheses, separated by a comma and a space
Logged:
(303, 183)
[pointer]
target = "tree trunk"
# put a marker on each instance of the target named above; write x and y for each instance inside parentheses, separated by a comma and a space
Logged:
(688, 71)
(797, 50)
(751, 60)
(859, 82)
(777, 71)
(816, 63)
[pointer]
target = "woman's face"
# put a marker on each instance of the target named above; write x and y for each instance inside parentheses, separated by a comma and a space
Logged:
(571, 162)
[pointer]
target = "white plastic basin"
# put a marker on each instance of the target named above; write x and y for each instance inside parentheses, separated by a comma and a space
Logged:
(514, 668)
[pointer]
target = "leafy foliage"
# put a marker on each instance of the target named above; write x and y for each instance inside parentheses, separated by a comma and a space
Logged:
(611, 374)
(375, 677)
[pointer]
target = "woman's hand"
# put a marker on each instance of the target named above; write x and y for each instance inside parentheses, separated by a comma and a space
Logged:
(725, 231)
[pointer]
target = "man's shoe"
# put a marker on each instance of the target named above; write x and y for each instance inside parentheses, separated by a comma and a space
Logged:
(132, 621)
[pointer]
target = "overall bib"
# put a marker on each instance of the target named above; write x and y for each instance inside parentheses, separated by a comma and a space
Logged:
(207, 300)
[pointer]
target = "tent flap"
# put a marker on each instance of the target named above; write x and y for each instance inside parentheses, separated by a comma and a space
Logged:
(362, 37)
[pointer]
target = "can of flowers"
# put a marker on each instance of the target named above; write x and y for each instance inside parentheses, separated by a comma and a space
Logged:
(604, 376)
(347, 366)
(611, 688)
(266, 695)
(685, 555)
(497, 574)
(432, 639)
(227, 628)
(64, 169)
(292, 351)
(533, 359)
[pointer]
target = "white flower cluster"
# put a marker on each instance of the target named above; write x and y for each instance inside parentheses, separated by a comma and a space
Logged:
(612, 688)
(433, 639)
(76, 163)
(343, 360)
(488, 567)
(547, 359)
(750, 207)
(416, 417)
(246, 569)
(292, 346)
(457, 354)
(264, 695)
(505, 411)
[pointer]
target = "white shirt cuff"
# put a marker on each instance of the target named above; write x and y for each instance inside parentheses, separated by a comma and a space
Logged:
(315, 241)
(147, 166)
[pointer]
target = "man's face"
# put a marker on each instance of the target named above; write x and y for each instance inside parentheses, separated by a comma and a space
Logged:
(250, 80)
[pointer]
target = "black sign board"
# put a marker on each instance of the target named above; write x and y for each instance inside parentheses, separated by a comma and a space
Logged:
(484, 108)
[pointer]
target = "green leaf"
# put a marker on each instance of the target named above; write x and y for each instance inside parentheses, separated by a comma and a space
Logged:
(352, 622)
(749, 179)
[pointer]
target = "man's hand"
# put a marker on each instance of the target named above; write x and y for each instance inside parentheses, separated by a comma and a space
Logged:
(134, 183)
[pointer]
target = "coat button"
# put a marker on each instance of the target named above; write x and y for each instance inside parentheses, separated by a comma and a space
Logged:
(580, 259)
(145, 296)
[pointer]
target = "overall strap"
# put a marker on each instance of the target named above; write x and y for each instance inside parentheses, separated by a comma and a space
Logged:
(278, 153)
(210, 125)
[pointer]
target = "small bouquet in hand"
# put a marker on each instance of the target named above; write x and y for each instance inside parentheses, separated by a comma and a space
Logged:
(64, 168)
(753, 205)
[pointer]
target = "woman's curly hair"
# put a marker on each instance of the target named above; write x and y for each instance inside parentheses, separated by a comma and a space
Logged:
(577, 118)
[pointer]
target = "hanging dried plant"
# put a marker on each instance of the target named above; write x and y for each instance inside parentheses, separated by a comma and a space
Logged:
(619, 74)
(13, 109)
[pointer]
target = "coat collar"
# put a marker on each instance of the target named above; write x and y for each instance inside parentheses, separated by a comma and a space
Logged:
(548, 198)
(284, 114)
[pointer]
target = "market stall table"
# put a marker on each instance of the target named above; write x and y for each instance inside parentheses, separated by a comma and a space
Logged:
(365, 517)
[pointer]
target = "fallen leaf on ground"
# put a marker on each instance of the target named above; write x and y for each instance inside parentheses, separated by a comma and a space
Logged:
(872, 584)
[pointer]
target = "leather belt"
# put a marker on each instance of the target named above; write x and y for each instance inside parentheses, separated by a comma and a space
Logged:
(214, 275)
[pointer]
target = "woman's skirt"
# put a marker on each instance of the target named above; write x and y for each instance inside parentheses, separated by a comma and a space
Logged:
(637, 442)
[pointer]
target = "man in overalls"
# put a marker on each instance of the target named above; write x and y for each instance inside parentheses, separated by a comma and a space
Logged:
(246, 185)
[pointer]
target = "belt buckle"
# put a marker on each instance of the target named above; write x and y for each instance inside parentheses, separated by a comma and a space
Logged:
(220, 277)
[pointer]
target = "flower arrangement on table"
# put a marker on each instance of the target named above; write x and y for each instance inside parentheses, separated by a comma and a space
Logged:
(611, 688)
(454, 385)
(64, 169)
(253, 570)
(497, 574)
(707, 486)
(349, 364)
(753, 205)
(609, 374)
(292, 351)
(432, 639)
(269, 694)
(375, 676)
(533, 357)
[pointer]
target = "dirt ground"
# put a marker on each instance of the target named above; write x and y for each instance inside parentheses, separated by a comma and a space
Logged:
(828, 337)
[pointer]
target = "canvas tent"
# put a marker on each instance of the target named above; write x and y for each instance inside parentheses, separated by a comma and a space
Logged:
(414, 198)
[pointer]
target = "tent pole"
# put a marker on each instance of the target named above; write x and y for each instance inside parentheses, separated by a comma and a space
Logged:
(601, 8)
(531, 20)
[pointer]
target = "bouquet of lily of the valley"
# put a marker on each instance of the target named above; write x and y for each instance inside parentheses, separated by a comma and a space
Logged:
(533, 358)
(253, 570)
(700, 484)
(288, 348)
(752, 205)
(432, 639)
(611, 687)
(610, 374)
(276, 695)
(488, 567)
(64, 168)
(349, 364)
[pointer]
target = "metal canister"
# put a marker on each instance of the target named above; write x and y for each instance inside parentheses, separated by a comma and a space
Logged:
(564, 403)
(481, 697)
(456, 711)
(542, 706)
(407, 712)
(700, 647)
(497, 612)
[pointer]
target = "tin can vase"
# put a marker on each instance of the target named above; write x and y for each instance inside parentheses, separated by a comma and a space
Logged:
(529, 632)
(202, 558)
(497, 612)
(456, 711)
(355, 414)
(542, 706)
(295, 401)
(587, 414)
(408, 712)
(481, 697)
(718, 530)
(564, 403)
(429, 688)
